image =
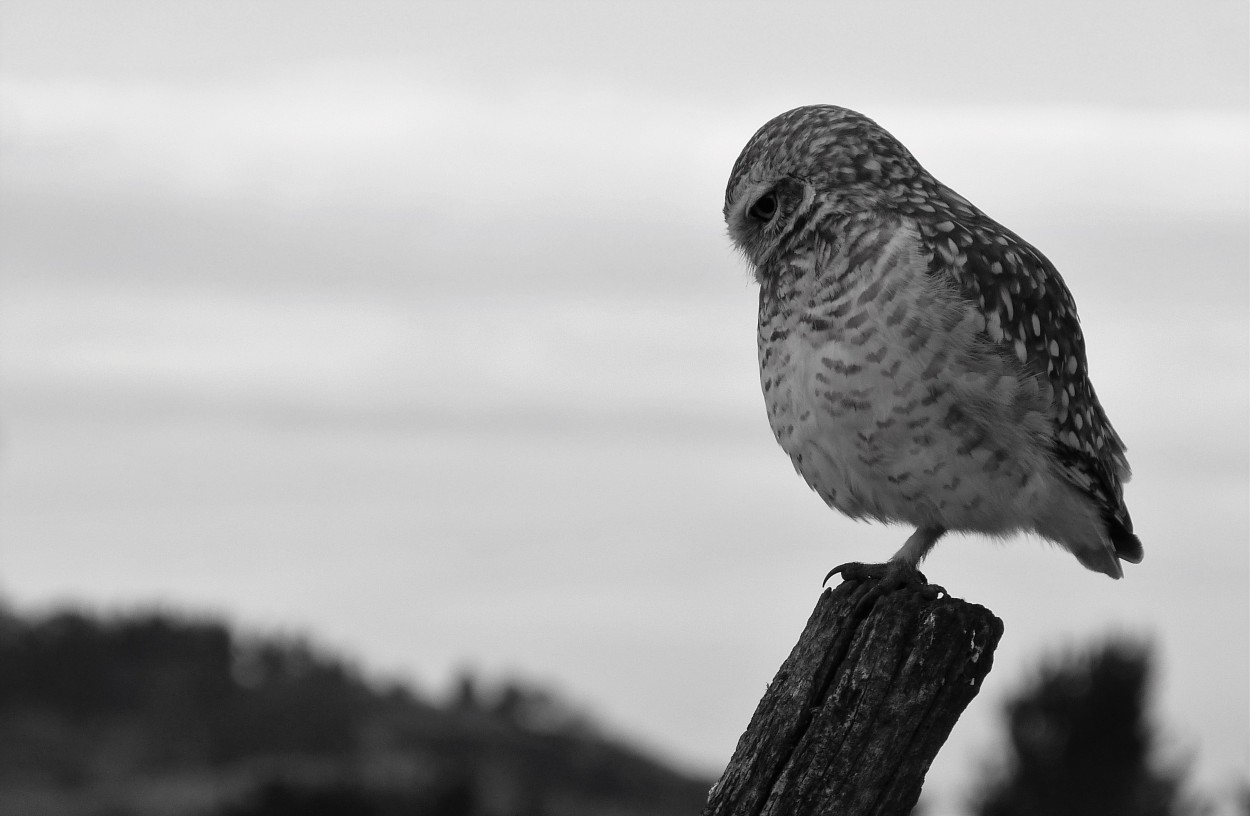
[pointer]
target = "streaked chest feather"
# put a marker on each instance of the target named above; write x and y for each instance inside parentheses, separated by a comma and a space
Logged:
(876, 381)
(841, 345)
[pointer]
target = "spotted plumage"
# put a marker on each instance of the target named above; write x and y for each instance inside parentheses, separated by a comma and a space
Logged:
(920, 362)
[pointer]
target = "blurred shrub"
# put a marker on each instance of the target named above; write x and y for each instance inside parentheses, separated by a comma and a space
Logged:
(1080, 743)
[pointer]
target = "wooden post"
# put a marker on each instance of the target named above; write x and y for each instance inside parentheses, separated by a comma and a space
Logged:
(858, 711)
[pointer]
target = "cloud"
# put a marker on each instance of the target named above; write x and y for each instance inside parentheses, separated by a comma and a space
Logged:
(390, 133)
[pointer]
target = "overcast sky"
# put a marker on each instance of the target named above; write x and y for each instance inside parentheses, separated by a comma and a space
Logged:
(413, 327)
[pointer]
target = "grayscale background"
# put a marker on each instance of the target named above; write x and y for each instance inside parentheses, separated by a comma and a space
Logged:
(413, 327)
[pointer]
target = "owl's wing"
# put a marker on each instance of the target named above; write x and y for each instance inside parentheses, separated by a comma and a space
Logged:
(1029, 313)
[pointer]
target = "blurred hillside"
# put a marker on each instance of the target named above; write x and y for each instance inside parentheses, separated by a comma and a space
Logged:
(157, 715)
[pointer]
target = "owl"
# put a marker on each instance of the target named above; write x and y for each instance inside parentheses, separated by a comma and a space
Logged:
(920, 363)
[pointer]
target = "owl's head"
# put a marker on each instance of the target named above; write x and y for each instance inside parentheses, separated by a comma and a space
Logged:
(806, 166)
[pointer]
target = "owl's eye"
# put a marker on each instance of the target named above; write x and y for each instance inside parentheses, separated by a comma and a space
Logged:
(764, 208)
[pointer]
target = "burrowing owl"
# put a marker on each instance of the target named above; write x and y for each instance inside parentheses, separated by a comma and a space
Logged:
(920, 362)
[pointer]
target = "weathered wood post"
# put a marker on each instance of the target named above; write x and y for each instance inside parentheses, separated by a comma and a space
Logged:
(858, 711)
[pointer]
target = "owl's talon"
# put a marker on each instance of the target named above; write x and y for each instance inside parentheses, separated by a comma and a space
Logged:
(885, 578)
(858, 571)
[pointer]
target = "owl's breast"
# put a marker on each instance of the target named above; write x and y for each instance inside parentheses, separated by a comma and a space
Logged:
(839, 402)
(878, 386)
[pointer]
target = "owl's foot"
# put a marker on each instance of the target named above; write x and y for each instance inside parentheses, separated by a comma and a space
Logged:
(885, 578)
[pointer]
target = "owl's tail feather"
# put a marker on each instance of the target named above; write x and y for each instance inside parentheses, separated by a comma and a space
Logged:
(1105, 554)
(1072, 520)
(1127, 546)
(1099, 558)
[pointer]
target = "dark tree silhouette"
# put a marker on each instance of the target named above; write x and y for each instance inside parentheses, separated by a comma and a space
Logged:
(1081, 742)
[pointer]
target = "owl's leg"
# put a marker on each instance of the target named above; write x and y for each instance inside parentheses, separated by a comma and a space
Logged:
(897, 573)
(918, 545)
